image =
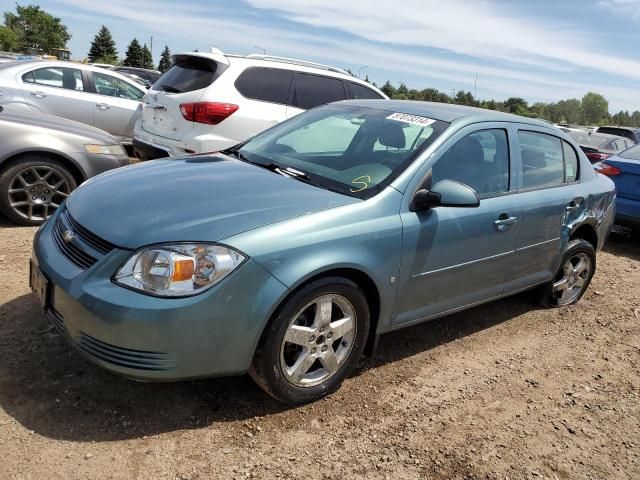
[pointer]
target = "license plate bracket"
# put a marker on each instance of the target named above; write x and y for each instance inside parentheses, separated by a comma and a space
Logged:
(39, 285)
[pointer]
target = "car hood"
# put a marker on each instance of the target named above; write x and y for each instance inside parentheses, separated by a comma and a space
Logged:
(40, 120)
(200, 198)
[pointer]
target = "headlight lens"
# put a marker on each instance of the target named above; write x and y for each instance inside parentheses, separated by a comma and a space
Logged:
(105, 149)
(178, 270)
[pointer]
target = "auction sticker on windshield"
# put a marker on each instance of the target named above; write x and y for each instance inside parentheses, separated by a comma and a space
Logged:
(412, 119)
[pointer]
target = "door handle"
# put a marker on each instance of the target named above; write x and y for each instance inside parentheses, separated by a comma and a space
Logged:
(103, 106)
(505, 221)
(39, 94)
(575, 204)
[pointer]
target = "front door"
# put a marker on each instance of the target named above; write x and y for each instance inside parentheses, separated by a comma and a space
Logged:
(454, 257)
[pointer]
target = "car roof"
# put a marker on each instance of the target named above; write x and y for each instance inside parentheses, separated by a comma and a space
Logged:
(447, 112)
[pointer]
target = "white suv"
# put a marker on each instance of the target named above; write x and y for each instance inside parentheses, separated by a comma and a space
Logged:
(211, 101)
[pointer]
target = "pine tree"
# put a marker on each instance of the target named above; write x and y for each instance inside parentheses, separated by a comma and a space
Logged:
(165, 60)
(103, 48)
(133, 56)
(147, 58)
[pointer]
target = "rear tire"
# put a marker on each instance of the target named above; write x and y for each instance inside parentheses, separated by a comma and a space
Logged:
(32, 188)
(313, 342)
(573, 276)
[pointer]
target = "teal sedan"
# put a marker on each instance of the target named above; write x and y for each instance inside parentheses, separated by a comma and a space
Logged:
(288, 255)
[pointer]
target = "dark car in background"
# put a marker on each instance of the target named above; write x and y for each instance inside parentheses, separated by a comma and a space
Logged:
(632, 133)
(600, 146)
(149, 76)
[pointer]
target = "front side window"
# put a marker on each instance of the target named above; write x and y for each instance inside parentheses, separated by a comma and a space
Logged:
(356, 151)
(114, 87)
(542, 159)
(361, 92)
(265, 84)
(479, 160)
(67, 78)
(314, 90)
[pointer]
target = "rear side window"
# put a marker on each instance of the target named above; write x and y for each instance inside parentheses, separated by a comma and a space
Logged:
(361, 92)
(542, 159)
(570, 163)
(189, 74)
(265, 84)
(67, 78)
(314, 90)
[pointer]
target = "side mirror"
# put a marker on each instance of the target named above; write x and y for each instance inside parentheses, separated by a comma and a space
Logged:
(445, 193)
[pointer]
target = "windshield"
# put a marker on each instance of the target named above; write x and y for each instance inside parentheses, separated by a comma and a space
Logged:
(631, 154)
(352, 150)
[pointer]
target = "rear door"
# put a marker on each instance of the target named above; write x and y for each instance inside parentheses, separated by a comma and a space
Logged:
(117, 104)
(627, 182)
(185, 82)
(59, 91)
(311, 90)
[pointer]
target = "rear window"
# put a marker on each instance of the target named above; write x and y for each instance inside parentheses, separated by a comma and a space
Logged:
(589, 140)
(360, 92)
(616, 131)
(632, 154)
(265, 84)
(314, 90)
(188, 74)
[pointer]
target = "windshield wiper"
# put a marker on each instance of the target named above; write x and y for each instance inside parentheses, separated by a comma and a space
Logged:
(169, 88)
(276, 168)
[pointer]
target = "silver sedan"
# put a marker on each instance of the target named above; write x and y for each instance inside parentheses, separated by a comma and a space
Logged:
(43, 158)
(84, 93)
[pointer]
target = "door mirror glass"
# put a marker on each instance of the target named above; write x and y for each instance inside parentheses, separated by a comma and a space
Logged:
(445, 193)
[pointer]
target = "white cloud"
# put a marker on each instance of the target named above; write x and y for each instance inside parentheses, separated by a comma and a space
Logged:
(625, 8)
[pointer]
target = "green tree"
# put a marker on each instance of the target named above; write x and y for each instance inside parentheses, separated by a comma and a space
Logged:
(595, 108)
(147, 58)
(7, 39)
(36, 29)
(516, 105)
(133, 56)
(165, 60)
(103, 48)
(569, 111)
(388, 89)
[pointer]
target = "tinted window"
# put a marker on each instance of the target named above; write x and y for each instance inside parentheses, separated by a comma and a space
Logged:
(542, 159)
(189, 74)
(570, 163)
(480, 160)
(314, 90)
(333, 146)
(616, 131)
(266, 84)
(360, 91)
(68, 78)
(114, 87)
(632, 154)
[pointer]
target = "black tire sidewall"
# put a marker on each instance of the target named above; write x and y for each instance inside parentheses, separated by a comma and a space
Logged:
(574, 247)
(266, 369)
(7, 173)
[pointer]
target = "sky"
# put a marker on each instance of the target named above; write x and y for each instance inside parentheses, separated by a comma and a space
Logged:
(544, 50)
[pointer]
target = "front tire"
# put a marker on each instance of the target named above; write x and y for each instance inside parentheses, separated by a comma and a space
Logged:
(313, 342)
(573, 276)
(32, 188)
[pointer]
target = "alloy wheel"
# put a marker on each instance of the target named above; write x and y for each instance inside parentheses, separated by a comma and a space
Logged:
(573, 278)
(318, 340)
(35, 192)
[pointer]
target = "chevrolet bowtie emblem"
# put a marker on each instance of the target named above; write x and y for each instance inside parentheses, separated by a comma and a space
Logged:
(68, 236)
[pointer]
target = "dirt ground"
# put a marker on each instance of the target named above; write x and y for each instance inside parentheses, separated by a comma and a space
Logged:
(506, 390)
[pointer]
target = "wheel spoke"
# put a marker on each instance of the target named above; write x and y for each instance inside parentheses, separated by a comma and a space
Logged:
(299, 335)
(17, 190)
(302, 366)
(47, 175)
(580, 282)
(566, 293)
(30, 211)
(329, 361)
(560, 285)
(23, 181)
(45, 214)
(581, 266)
(323, 311)
(341, 327)
(62, 194)
(35, 172)
(19, 204)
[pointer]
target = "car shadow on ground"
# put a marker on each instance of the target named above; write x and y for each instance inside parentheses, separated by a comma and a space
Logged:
(622, 244)
(49, 389)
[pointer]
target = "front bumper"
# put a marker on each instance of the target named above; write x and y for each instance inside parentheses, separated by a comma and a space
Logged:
(140, 336)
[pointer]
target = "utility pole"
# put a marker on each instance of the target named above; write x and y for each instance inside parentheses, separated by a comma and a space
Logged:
(264, 51)
(475, 87)
(360, 70)
(151, 47)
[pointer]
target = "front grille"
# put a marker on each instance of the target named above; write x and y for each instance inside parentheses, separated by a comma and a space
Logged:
(125, 357)
(73, 253)
(86, 236)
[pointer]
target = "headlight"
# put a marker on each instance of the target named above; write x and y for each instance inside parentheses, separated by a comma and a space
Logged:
(105, 149)
(178, 270)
